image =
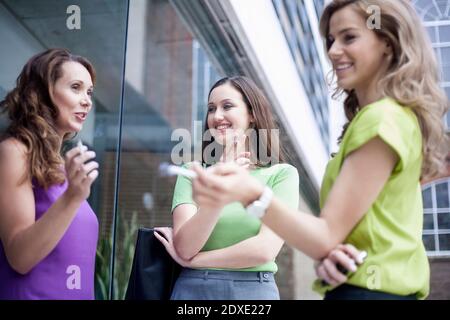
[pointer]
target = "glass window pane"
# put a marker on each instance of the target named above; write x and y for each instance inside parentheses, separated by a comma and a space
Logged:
(444, 242)
(444, 33)
(445, 55)
(427, 202)
(442, 195)
(428, 241)
(446, 73)
(428, 221)
(168, 96)
(444, 220)
(431, 14)
(421, 4)
(29, 27)
(442, 6)
(445, 63)
(432, 33)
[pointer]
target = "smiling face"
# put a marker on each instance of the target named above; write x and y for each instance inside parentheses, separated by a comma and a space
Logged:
(358, 55)
(72, 96)
(228, 114)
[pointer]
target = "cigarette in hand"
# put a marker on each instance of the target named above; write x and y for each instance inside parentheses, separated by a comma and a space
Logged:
(81, 146)
(166, 169)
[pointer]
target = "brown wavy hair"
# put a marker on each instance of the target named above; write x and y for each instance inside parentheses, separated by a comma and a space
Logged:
(259, 107)
(32, 114)
(412, 78)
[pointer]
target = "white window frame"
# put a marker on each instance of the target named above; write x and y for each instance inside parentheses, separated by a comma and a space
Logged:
(439, 21)
(434, 211)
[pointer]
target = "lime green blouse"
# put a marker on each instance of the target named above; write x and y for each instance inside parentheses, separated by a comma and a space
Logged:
(391, 230)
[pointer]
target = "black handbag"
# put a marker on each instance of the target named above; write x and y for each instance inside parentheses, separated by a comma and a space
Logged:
(154, 272)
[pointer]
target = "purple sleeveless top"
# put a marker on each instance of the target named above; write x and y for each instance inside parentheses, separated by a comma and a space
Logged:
(68, 271)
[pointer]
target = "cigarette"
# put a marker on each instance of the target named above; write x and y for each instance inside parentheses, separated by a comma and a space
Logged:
(81, 146)
(166, 169)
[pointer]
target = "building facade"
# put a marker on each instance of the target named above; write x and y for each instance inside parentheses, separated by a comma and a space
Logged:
(436, 193)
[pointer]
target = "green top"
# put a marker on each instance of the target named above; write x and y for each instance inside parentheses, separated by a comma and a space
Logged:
(234, 224)
(391, 230)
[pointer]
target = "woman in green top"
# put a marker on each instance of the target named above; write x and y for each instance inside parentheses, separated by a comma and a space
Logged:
(228, 254)
(371, 195)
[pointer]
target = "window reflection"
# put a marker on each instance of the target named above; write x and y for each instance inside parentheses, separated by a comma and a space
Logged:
(166, 89)
(29, 27)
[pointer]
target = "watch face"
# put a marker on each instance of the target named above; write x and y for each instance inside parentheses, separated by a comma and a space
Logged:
(256, 208)
(258, 204)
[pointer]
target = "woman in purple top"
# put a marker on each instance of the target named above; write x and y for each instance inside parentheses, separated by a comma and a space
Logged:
(48, 231)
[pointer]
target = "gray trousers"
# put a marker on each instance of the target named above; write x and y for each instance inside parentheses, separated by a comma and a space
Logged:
(225, 285)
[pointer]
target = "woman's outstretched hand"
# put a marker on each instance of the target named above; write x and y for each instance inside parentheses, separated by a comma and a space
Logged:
(224, 183)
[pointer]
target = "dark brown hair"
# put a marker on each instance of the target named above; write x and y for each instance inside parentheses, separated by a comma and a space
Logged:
(32, 114)
(258, 106)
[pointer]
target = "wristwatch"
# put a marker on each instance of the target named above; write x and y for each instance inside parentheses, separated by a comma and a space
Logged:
(258, 207)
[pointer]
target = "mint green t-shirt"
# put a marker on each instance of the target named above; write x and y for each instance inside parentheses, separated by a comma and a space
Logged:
(235, 224)
(391, 230)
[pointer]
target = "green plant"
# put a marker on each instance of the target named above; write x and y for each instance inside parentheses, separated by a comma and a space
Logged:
(102, 267)
(125, 246)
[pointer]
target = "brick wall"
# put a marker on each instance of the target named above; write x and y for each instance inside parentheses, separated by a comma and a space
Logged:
(440, 279)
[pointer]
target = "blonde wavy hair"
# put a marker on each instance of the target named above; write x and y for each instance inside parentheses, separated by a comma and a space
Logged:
(412, 78)
(32, 114)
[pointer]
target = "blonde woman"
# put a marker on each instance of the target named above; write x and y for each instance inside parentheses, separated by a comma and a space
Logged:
(371, 196)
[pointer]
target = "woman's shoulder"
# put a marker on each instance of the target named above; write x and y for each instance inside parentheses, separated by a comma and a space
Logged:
(13, 158)
(383, 107)
(387, 111)
(12, 149)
